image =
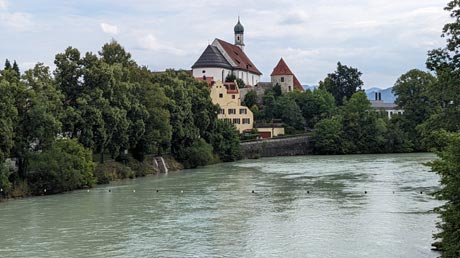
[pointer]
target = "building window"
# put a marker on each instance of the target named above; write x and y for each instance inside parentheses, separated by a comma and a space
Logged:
(221, 111)
(282, 79)
(290, 88)
(231, 111)
(233, 96)
(221, 95)
(228, 120)
(236, 121)
(246, 121)
(243, 111)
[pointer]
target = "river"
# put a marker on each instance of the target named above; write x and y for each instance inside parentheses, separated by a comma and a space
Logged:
(309, 206)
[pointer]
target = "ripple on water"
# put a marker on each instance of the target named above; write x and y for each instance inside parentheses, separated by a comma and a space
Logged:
(314, 206)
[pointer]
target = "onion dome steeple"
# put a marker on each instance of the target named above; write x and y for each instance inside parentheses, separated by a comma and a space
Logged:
(239, 29)
(239, 34)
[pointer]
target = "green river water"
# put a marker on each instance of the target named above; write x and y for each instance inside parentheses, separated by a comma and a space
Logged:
(311, 206)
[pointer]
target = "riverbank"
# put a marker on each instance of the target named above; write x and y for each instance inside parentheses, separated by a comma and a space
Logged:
(107, 172)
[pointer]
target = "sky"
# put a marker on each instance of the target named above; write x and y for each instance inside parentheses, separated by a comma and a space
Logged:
(382, 38)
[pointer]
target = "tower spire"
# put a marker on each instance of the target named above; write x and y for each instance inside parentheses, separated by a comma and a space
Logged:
(239, 34)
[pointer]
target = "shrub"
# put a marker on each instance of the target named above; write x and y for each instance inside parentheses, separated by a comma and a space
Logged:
(64, 166)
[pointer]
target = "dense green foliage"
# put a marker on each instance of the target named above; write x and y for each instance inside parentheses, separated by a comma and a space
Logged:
(441, 130)
(250, 99)
(448, 168)
(107, 104)
(343, 83)
(65, 166)
(357, 128)
(413, 90)
(225, 141)
(296, 110)
(232, 78)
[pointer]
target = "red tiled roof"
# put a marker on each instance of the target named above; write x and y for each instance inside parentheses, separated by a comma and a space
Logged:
(281, 69)
(297, 85)
(208, 80)
(239, 57)
(231, 87)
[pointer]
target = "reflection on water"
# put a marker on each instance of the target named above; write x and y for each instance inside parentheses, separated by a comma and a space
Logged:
(315, 206)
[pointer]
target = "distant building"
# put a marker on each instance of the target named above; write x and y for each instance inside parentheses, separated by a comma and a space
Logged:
(270, 130)
(283, 76)
(222, 58)
(227, 96)
(390, 109)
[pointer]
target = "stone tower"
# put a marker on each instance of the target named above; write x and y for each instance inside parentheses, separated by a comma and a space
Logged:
(239, 35)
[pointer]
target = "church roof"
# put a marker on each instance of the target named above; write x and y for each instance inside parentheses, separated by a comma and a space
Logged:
(283, 69)
(212, 57)
(239, 58)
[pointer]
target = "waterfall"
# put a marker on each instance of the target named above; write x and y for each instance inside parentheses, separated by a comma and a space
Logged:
(160, 162)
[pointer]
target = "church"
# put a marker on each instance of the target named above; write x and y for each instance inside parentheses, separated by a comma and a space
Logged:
(222, 58)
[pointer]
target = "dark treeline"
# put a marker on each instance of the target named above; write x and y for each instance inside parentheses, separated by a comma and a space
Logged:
(103, 104)
(338, 113)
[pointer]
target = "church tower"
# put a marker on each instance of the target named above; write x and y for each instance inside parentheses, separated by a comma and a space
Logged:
(239, 35)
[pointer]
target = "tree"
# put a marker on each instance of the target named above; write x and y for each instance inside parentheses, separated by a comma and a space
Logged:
(39, 106)
(448, 168)
(198, 154)
(277, 90)
(8, 118)
(230, 77)
(225, 141)
(65, 166)
(250, 99)
(343, 83)
(413, 90)
(7, 64)
(287, 109)
(327, 137)
(442, 129)
(363, 130)
(5, 183)
(314, 105)
(16, 69)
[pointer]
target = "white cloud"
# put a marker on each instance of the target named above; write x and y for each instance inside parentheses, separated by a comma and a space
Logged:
(109, 29)
(150, 42)
(3, 4)
(14, 20)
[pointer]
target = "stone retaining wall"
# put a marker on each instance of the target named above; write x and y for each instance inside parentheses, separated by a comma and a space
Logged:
(294, 146)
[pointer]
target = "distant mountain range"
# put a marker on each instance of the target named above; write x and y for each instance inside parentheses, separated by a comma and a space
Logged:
(387, 94)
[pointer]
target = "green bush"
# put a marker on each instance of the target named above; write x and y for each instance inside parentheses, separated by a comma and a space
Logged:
(199, 154)
(64, 166)
(5, 184)
(448, 168)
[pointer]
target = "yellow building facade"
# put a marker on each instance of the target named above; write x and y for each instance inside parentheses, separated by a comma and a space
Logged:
(227, 96)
